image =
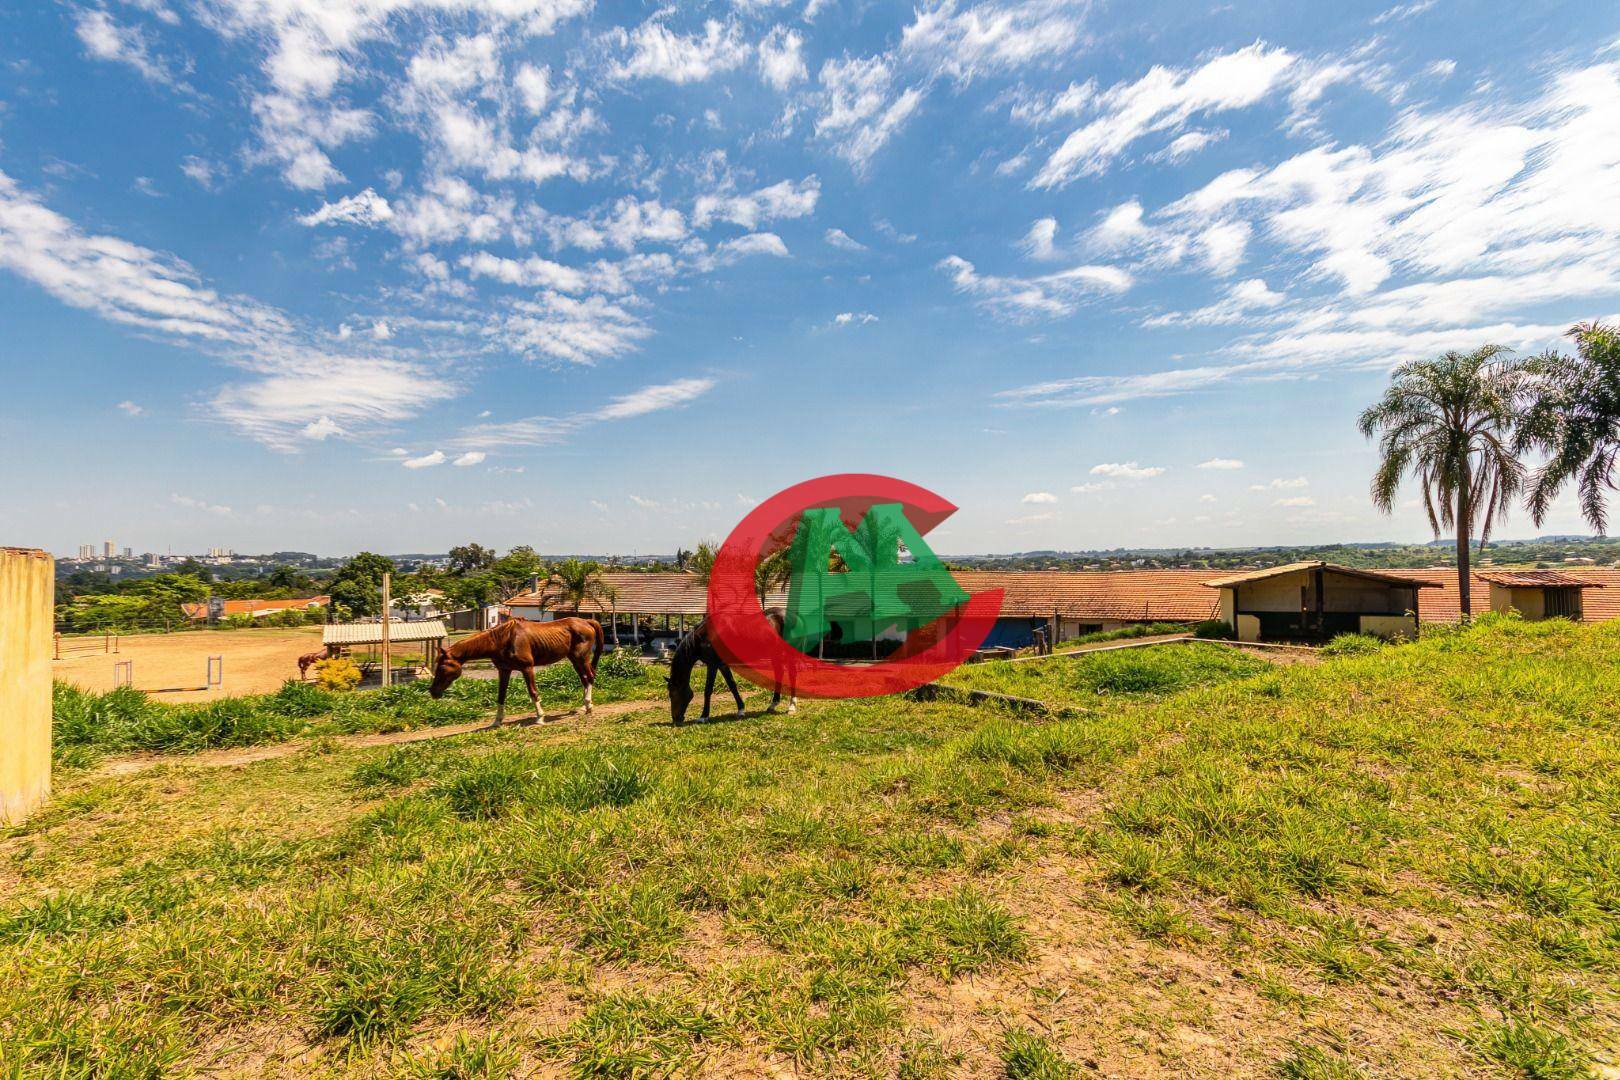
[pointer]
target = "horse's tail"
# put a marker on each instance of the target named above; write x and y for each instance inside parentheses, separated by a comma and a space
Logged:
(601, 636)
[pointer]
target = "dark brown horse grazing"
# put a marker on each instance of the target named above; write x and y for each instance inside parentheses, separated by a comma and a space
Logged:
(521, 645)
(309, 660)
(696, 648)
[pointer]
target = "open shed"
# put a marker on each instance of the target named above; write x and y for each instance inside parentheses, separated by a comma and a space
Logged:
(343, 638)
(1537, 594)
(1313, 601)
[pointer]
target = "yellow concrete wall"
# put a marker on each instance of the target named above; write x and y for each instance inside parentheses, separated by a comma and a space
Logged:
(1248, 628)
(27, 586)
(1531, 603)
(1273, 594)
(1389, 626)
(1229, 607)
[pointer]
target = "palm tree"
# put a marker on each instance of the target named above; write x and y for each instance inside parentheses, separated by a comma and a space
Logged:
(1574, 418)
(574, 581)
(1451, 424)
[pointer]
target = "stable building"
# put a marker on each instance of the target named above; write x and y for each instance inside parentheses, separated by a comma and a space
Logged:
(1315, 601)
(1537, 594)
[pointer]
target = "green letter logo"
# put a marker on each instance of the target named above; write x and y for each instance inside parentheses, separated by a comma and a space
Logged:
(876, 591)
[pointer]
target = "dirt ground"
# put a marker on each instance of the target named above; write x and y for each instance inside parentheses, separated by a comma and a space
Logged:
(175, 666)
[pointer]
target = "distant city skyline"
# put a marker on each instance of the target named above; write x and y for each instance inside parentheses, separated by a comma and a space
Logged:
(597, 277)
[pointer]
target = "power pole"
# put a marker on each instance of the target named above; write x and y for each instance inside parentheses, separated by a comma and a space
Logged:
(387, 604)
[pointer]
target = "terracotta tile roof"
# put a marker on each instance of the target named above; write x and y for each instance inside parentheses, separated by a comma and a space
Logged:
(1132, 595)
(1291, 568)
(1600, 601)
(257, 607)
(1143, 595)
(1535, 579)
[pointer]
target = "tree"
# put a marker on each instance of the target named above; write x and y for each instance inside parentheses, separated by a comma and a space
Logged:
(195, 569)
(1451, 424)
(574, 581)
(357, 585)
(470, 558)
(516, 571)
(1574, 418)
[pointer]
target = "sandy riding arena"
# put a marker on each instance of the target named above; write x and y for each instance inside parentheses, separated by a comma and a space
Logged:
(256, 661)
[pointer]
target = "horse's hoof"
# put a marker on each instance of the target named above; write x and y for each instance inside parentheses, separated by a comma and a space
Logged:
(739, 714)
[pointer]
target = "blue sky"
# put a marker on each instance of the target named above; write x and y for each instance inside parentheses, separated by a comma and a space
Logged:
(398, 274)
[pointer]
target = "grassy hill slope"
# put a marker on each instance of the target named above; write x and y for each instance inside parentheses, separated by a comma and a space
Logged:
(1404, 863)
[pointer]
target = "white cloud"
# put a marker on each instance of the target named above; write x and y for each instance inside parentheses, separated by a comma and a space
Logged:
(1039, 497)
(1037, 243)
(104, 38)
(129, 408)
(1295, 501)
(1187, 144)
(469, 459)
(202, 172)
(781, 58)
(1033, 519)
(426, 461)
(191, 503)
(1092, 487)
(1163, 99)
(1242, 302)
(753, 244)
(321, 429)
(578, 330)
(365, 208)
(381, 331)
(784, 200)
(1281, 483)
(1222, 246)
(854, 318)
(1048, 295)
(657, 52)
(1128, 470)
(861, 108)
(990, 37)
(838, 238)
(543, 430)
(1221, 463)
(533, 272)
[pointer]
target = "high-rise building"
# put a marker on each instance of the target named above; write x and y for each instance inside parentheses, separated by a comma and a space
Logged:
(129, 553)
(87, 551)
(107, 549)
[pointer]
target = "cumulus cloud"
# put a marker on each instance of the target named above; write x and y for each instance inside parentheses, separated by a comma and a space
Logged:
(366, 208)
(654, 51)
(426, 461)
(104, 38)
(129, 408)
(854, 318)
(990, 37)
(781, 58)
(1039, 497)
(1221, 463)
(785, 200)
(469, 459)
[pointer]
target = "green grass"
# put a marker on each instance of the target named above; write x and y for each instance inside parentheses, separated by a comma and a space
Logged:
(1400, 863)
(88, 725)
(1150, 670)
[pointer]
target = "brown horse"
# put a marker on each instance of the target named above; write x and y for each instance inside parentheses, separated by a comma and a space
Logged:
(697, 648)
(521, 645)
(309, 660)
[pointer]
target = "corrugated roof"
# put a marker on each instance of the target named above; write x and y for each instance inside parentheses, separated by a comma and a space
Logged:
(370, 633)
(1293, 568)
(1535, 579)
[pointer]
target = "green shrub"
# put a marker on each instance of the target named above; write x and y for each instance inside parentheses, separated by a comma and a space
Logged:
(1214, 630)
